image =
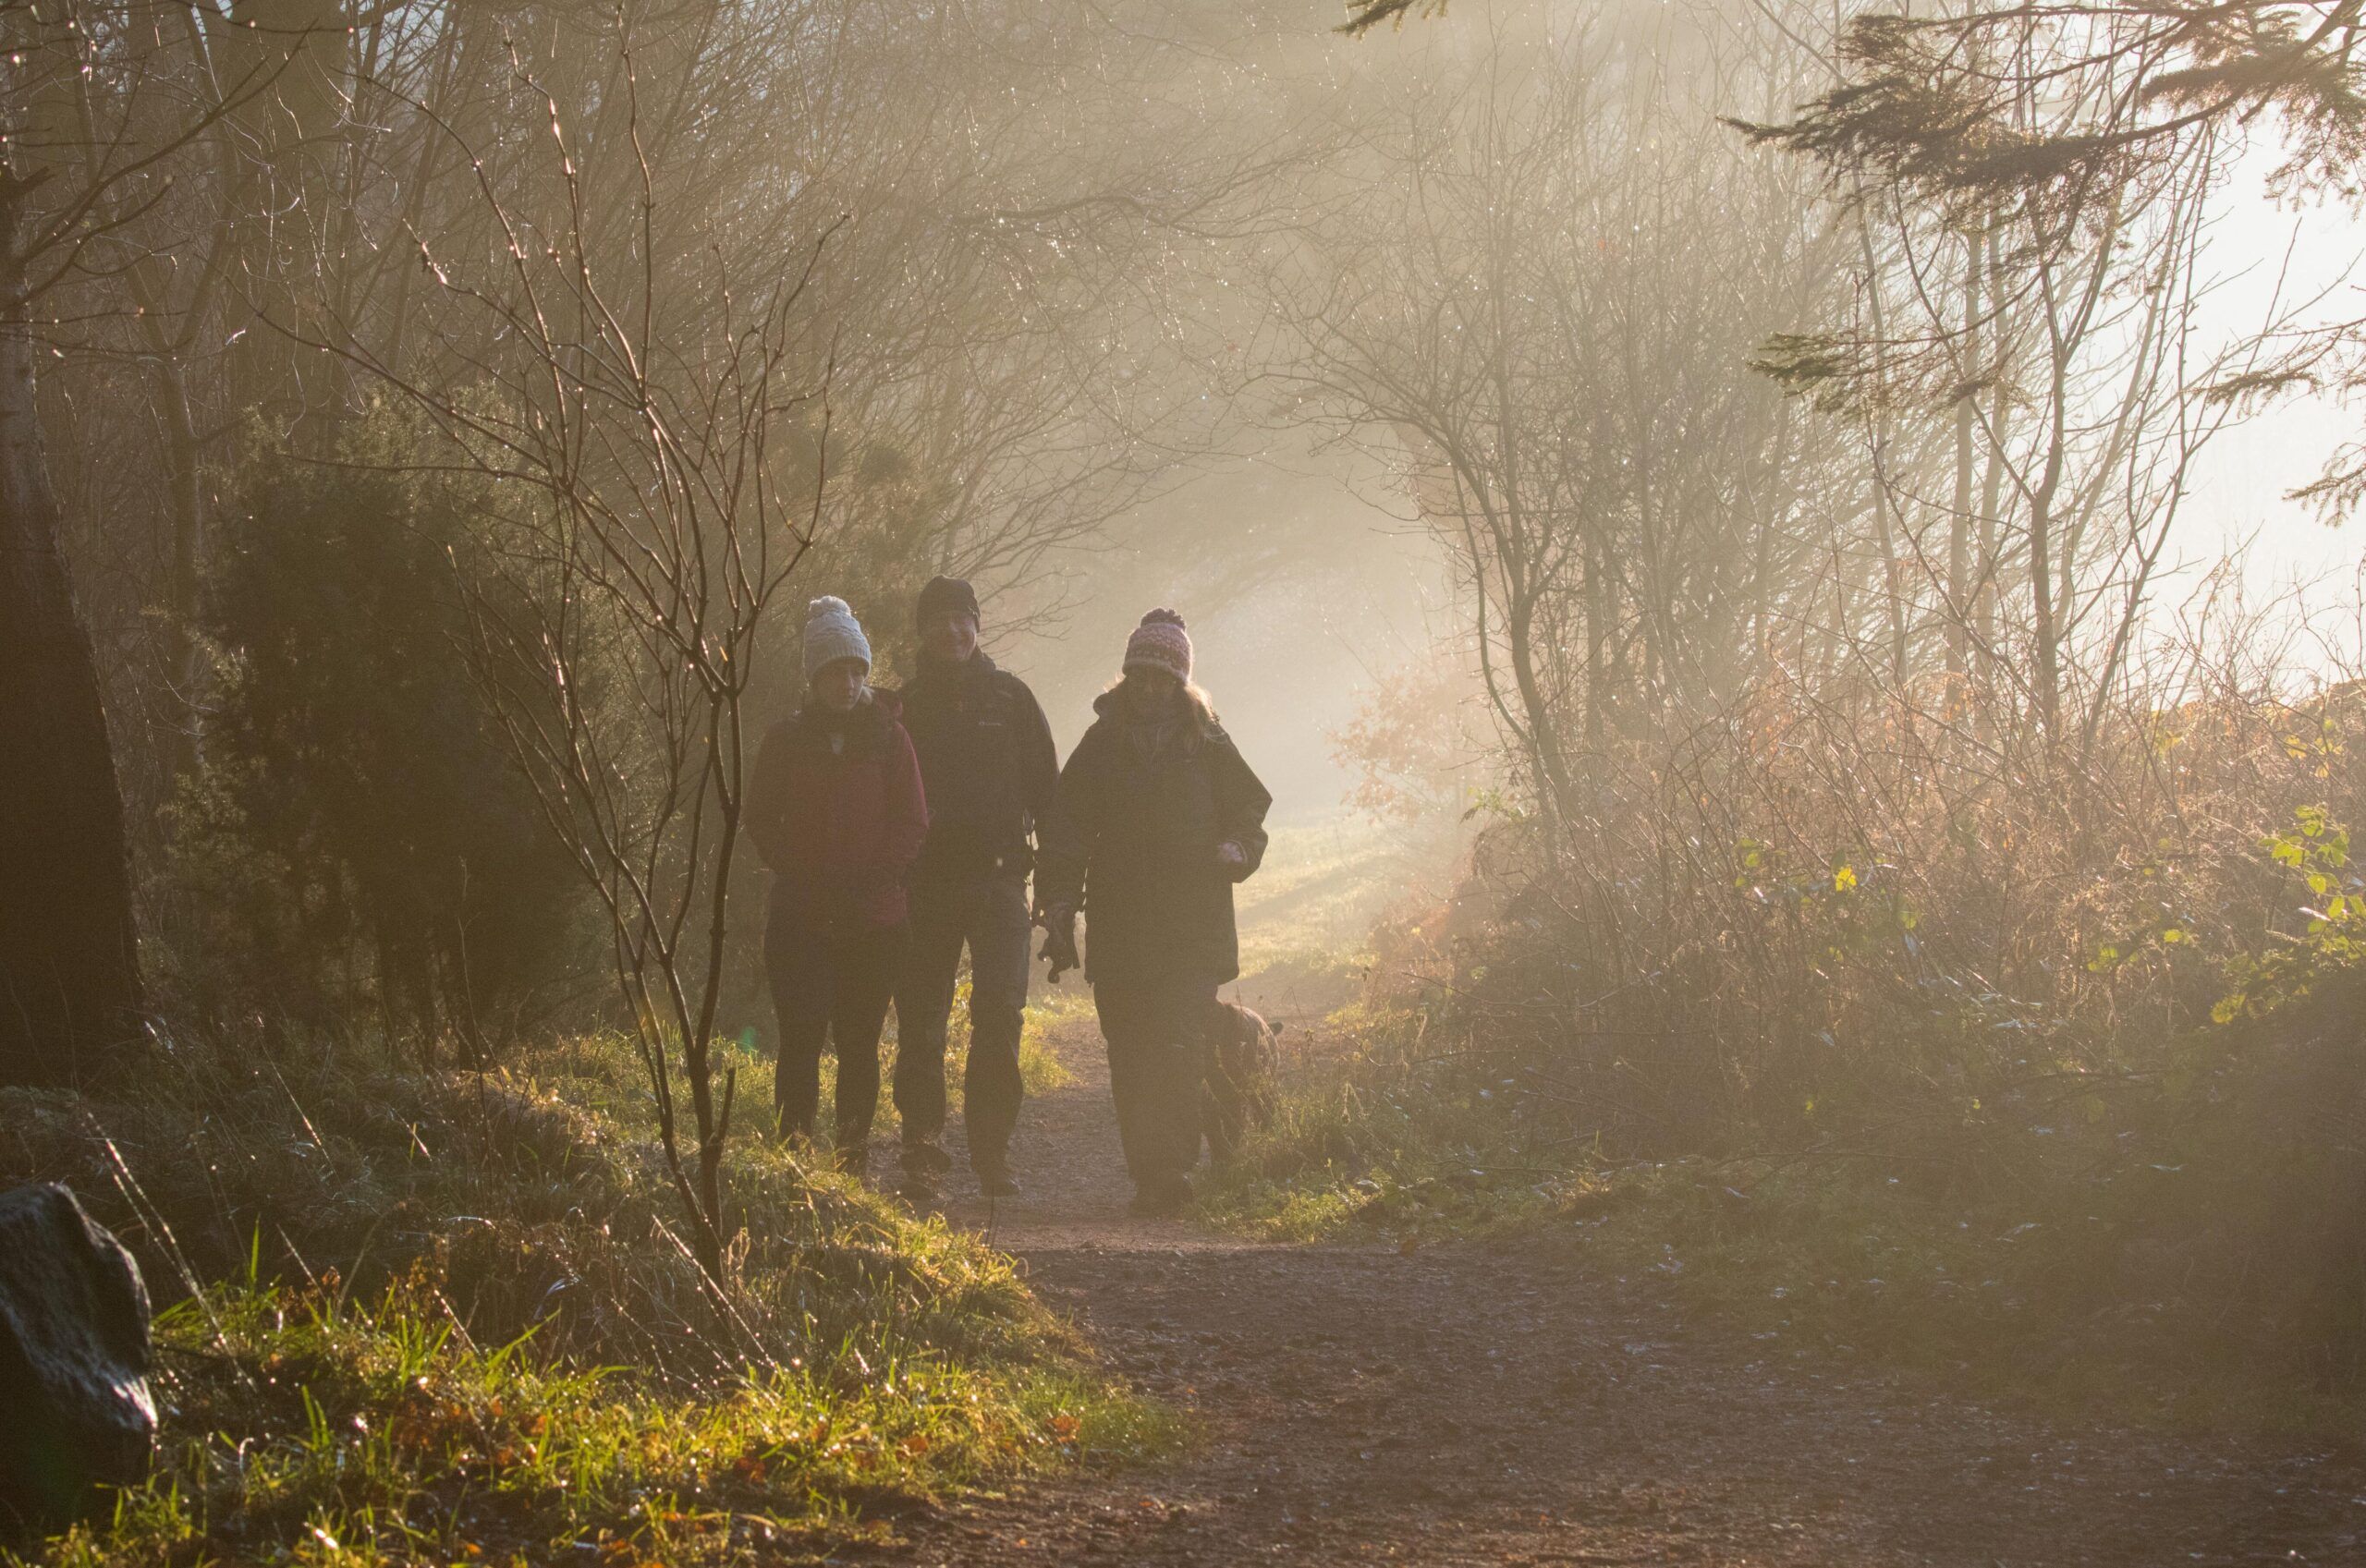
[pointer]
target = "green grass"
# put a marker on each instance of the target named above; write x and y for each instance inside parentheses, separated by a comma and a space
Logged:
(1321, 885)
(450, 1324)
(306, 1427)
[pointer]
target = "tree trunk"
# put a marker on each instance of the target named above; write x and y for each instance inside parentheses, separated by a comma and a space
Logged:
(70, 973)
(1543, 729)
(1877, 437)
(1986, 562)
(296, 47)
(1960, 523)
(183, 467)
(1598, 615)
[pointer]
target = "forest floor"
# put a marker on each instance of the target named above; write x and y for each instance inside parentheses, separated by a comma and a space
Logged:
(1509, 1403)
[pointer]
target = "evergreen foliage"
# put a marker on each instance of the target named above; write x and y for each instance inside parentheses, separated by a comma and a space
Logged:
(358, 817)
(1986, 102)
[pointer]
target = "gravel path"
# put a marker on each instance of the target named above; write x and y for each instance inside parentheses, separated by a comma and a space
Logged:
(1477, 1404)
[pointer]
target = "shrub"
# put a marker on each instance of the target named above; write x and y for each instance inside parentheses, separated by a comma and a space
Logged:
(359, 837)
(2099, 1023)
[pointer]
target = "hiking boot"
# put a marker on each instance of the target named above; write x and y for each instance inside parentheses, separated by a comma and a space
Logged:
(1161, 1199)
(924, 1157)
(996, 1181)
(854, 1159)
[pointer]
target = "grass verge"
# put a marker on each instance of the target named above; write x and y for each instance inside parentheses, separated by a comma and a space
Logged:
(444, 1320)
(2054, 1264)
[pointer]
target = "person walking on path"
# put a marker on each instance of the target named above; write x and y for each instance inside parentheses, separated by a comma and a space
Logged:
(987, 759)
(1157, 817)
(837, 813)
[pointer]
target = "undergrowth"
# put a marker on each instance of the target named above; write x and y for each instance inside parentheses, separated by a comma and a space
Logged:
(303, 1426)
(446, 1319)
(2159, 1247)
(1886, 1027)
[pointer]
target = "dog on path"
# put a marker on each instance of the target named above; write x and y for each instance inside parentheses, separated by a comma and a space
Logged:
(1238, 1091)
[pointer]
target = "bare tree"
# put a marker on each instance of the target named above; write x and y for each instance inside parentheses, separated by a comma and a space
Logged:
(1532, 315)
(645, 490)
(2049, 335)
(1021, 198)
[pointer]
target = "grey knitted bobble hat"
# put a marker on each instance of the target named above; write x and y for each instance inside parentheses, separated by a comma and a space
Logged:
(830, 634)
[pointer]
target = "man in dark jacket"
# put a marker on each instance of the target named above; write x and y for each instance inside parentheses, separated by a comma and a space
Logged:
(991, 771)
(1159, 816)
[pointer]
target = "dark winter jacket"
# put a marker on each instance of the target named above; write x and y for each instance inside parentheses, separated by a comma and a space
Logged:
(1133, 844)
(836, 811)
(987, 758)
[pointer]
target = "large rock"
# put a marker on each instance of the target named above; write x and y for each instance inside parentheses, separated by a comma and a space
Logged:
(74, 1409)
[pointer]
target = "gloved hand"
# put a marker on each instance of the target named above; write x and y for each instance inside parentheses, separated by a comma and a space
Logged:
(1059, 943)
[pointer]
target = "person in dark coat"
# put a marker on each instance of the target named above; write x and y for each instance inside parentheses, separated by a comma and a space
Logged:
(837, 812)
(988, 761)
(1157, 817)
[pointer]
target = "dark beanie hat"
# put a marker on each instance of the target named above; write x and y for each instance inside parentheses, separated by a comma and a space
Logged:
(944, 595)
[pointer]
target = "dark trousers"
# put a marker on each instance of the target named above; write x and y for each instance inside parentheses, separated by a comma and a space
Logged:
(989, 917)
(1157, 1031)
(832, 983)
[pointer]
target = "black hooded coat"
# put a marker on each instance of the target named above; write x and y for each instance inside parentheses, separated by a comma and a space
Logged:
(1141, 808)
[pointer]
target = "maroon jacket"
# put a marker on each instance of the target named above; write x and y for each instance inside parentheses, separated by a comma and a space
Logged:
(837, 812)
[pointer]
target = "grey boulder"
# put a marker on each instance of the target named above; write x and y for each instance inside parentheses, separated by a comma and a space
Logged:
(76, 1412)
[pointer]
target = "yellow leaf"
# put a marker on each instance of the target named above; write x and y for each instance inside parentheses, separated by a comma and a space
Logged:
(1843, 878)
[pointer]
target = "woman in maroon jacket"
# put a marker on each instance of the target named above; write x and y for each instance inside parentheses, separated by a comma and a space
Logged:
(835, 810)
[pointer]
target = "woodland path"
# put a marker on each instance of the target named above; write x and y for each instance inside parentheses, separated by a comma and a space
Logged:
(1472, 1404)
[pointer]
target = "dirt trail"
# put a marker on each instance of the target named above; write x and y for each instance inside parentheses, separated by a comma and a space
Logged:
(1476, 1403)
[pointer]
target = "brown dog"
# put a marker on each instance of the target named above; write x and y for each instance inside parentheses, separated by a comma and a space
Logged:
(1238, 1092)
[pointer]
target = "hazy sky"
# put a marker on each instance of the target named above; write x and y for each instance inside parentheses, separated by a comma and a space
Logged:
(1299, 590)
(2308, 254)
